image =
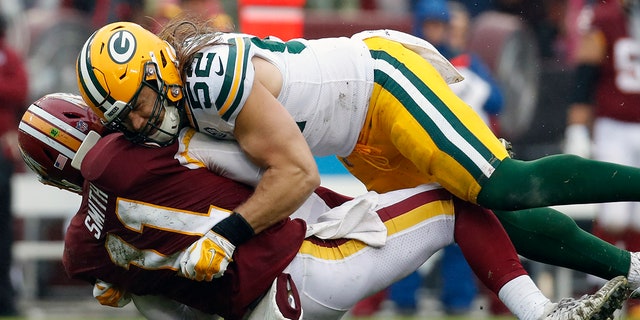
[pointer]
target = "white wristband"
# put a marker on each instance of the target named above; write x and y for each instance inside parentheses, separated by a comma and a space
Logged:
(577, 140)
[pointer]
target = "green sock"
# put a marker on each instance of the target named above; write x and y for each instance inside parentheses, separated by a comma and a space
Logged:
(549, 236)
(557, 180)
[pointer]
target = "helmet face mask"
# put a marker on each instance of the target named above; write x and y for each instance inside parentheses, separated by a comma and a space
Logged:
(115, 64)
(49, 135)
(159, 130)
(44, 178)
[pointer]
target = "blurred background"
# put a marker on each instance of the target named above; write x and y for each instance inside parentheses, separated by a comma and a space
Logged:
(527, 50)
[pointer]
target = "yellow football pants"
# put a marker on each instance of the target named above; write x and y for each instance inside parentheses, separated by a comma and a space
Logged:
(418, 131)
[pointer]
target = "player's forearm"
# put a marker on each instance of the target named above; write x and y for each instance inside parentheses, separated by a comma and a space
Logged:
(579, 114)
(278, 194)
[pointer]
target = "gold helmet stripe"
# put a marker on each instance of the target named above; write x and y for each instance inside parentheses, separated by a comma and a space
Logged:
(52, 131)
(46, 140)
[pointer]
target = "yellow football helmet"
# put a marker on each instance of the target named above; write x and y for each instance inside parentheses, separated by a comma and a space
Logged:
(114, 65)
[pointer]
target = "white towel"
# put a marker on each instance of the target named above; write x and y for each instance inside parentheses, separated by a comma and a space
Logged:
(419, 46)
(355, 219)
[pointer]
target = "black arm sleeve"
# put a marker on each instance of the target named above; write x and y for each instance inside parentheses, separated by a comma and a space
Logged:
(585, 78)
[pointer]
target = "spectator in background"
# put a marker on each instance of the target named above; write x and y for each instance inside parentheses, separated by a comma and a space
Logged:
(475, 7)
(529, 39)
(482, 92)
(431, 22)
(446, 26)
(605, 106)
(13, 95)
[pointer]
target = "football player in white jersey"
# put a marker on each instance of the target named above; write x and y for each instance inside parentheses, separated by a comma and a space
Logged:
(396, 231)
(380, 100)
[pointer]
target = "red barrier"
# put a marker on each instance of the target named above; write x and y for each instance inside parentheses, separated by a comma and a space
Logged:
(281, 18)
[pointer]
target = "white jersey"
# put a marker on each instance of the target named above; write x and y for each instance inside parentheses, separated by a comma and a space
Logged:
(327, 92)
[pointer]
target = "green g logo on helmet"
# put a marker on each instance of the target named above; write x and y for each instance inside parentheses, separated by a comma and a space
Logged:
(122, 46)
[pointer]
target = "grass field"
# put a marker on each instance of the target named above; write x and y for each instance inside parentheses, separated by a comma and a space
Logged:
(84, 307)
(431, 318)
(85, 317)
(87, 309)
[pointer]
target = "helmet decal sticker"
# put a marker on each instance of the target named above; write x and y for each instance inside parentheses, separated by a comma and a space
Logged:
(82, 126)
(61, 161)
(121, 46)
(54, 132)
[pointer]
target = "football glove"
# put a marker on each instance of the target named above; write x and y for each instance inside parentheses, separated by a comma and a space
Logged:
(207, 258)
(110, 295)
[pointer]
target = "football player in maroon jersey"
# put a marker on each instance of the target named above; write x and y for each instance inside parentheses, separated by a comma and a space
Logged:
(143, 208)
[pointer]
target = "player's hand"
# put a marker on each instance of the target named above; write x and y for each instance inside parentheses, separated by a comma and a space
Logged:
(110, 295)
(207, 258)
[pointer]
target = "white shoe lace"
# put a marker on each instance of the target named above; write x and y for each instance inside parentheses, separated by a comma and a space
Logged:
(570, 309)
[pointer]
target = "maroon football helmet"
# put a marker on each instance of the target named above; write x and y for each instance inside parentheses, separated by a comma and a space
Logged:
(49, 135)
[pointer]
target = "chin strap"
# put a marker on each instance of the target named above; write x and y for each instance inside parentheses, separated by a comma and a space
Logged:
(169, 128)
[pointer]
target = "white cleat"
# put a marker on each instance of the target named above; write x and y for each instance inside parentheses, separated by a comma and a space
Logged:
(598, 306)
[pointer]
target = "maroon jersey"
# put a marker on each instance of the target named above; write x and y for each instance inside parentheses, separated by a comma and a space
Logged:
(618, 87)
(140, 209)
